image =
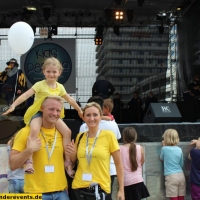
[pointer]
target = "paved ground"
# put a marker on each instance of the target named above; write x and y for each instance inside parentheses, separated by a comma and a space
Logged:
(115, 189)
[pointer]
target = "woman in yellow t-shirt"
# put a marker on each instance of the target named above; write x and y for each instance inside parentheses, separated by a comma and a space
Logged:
(52, 69)
(93, 153)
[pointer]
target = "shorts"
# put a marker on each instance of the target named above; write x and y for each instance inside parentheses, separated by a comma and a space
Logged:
(38, 114)
(175, 185)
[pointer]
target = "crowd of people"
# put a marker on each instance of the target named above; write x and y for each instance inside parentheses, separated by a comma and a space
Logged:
(44, 155)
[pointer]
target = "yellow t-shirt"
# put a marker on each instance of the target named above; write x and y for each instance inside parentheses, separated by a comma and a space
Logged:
(100, 163)
(42, 90)
(41, 182)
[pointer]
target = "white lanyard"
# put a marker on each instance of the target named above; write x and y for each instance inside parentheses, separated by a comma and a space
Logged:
(89, 156)
(53, 146)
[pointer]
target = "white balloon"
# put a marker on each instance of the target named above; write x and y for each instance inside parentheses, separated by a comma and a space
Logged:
(20, 37)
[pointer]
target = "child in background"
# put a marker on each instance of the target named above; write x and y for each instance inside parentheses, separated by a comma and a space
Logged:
(52, 69)
(194, 156)
(16, 177)
(172, 156)
(133, 158)
(107, 109)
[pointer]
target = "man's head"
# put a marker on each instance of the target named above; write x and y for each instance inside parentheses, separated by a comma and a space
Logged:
(96, 99)
(117, 95)
(196, 78)
(135, 94)
(12, 62)
(150, 94)
(51, 108)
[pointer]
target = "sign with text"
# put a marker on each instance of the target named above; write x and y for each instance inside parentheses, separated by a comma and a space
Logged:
(62, 49)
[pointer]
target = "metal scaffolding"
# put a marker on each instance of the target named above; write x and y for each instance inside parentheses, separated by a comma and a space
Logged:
(173, 62)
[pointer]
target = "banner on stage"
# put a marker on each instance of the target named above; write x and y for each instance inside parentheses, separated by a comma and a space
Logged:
(61, 48)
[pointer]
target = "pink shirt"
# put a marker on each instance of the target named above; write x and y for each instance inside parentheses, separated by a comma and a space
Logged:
(130, 177)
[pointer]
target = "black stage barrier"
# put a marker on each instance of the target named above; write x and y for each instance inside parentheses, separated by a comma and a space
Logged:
(153, 132)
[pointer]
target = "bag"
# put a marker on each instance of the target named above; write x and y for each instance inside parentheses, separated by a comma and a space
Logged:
(79, 139)
(70, 179)
(88, 195)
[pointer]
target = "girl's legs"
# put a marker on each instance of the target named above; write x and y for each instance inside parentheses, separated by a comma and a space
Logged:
(35, 126)
(66, 133)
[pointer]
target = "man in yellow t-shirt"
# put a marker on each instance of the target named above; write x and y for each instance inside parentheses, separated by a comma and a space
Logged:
(49, 176)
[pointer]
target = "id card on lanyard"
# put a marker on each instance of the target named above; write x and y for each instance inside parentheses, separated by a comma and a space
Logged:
(49, 168)
(87, 176)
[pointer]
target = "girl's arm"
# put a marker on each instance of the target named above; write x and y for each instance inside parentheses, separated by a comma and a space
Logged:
(73, 103)
(20, 100)
(142, 155)
(105, 118)
(189, 157)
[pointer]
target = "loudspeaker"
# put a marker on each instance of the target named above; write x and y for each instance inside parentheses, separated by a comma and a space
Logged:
(162, 113)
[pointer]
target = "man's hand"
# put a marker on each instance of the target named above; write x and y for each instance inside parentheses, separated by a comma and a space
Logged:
(19, 91)
(34, 145)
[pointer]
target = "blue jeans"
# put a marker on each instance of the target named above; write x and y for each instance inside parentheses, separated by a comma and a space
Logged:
(62, 195)
(16, 186)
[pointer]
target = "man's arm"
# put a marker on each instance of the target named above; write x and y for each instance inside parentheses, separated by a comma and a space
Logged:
(94, 89)
(17, 158)
(111, 88)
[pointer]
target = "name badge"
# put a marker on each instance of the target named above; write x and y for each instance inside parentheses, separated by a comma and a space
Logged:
(49, 169)
(87, 177)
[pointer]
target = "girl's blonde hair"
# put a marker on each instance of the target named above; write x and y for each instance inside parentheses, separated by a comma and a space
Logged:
(93, 104)
(171, 137)
(130, 136)
(52, 61)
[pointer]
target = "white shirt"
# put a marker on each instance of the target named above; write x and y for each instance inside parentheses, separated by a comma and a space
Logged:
(111, 126)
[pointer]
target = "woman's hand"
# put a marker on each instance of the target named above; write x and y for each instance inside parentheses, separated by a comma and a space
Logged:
(120, 195)
(71, 173)
(71, 151)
